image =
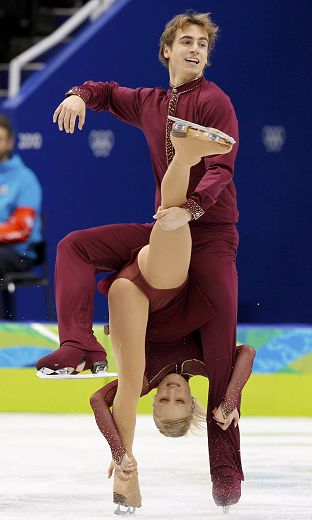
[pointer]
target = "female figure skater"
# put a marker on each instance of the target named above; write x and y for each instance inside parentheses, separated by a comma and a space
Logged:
(154, 280)
(169, 366)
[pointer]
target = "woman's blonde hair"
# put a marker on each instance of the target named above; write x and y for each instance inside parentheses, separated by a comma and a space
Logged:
(178, 22)
(194, 423)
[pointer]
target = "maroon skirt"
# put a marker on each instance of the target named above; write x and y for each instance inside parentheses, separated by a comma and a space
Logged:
(174, 313)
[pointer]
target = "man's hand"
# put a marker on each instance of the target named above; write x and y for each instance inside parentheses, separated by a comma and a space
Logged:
(68, 111)
(172, 218)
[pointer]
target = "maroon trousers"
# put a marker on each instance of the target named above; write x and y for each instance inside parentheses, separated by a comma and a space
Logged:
(82, 254)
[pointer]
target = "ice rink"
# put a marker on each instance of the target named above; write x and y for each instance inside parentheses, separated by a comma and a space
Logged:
(54, 467)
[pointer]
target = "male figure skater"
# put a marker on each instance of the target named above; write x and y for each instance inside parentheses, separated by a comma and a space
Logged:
(185, 48)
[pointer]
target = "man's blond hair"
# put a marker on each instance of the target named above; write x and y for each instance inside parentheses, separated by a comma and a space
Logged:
(179, 22)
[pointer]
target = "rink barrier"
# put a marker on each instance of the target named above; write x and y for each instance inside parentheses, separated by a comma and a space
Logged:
(280, 384)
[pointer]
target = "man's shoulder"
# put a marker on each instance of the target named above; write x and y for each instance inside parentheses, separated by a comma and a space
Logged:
(154, 91)
(141, 88)
(152, 94)
(212, 90)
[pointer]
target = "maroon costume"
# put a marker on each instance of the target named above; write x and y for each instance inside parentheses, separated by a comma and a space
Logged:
(184, 358)
(158, 298)
(166, 305)
(212, 202)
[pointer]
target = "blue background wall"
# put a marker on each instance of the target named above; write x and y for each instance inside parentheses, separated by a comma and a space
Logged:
(261, 62)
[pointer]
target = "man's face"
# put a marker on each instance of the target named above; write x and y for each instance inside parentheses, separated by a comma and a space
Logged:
(188, 53)
(6, 145)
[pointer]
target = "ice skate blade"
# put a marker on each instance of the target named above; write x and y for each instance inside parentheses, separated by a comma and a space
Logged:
(124, 511)
(180, 127)
(225, 509)
(43, 374)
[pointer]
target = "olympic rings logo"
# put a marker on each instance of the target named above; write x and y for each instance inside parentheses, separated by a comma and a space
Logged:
(273, 138)
(101, 142)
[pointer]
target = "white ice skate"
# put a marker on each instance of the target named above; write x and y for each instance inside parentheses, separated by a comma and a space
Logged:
(124, 510)
(181, 126)
(225, 509)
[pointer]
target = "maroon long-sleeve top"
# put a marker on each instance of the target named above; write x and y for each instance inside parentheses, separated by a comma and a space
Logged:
(161, 359)
(211, 189)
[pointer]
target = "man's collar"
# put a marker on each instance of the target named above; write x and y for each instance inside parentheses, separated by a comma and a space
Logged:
(185, 87)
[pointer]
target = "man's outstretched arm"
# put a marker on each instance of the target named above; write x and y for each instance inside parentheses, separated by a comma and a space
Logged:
(124, 103)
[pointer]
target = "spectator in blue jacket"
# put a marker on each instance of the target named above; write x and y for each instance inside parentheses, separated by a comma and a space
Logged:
(20, 207)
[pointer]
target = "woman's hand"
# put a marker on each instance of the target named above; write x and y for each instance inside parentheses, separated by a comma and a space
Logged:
(68, 111)
(124, 469)
(128, 463)
(224, 419)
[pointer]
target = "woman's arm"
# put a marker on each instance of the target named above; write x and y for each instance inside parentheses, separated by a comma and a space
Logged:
(244, 359)
(227, 412)
(101, 402)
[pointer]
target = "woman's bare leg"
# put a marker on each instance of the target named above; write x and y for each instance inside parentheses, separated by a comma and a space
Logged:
(164, 263)
(128, 311)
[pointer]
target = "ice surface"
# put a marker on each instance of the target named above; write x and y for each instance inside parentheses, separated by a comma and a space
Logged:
(54, 467)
